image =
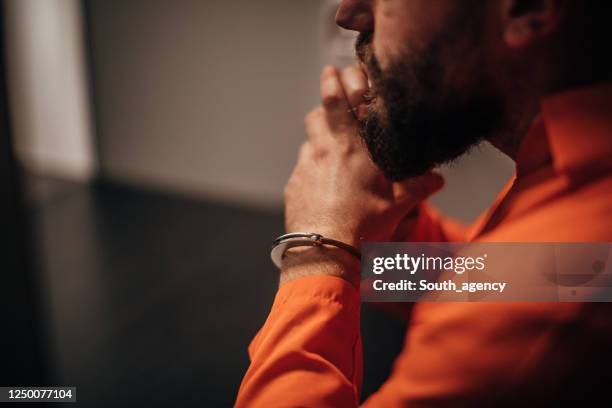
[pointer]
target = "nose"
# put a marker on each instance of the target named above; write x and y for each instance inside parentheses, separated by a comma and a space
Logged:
(355, 15)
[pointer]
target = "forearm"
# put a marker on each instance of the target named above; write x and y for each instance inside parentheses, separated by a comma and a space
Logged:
(308, 353)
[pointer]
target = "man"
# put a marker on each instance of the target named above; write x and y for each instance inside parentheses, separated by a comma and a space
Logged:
(528, 76)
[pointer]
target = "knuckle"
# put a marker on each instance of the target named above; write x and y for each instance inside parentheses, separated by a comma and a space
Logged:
(331, 100)
(321, 153)
(355, 94)
(346, 147)
(308, 125)
(307, 119)
(327, 71)
(308, 152)
(312, 117)
(303, 149)
(343, 129)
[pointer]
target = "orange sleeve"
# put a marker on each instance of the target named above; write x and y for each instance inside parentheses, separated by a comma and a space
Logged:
(308, 352)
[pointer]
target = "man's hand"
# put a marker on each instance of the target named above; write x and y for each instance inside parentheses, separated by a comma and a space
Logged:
(335, 189)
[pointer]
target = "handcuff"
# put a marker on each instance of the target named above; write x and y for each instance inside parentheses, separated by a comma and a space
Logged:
(305, 239)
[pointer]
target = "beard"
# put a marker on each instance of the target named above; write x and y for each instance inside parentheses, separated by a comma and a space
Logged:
(428, 107)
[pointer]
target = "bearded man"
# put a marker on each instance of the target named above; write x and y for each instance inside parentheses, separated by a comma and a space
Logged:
(437, 77)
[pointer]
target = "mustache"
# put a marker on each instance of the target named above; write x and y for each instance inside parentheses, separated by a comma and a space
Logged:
(363, 47)
(365, 55)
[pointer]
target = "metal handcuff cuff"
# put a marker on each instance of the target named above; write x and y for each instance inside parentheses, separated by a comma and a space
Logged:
(305, 239)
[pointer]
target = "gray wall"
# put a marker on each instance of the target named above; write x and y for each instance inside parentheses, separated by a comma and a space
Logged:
(204, 97)
(207, 98)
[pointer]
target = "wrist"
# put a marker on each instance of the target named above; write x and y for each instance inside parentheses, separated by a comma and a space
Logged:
(320, 261)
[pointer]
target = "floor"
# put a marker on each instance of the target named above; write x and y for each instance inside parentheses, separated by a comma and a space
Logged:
(152, 299)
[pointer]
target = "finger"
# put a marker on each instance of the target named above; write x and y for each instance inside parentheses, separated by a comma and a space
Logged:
(414, 190)
(316, 126)
(305, 151)
(355, 85)
(333, 98)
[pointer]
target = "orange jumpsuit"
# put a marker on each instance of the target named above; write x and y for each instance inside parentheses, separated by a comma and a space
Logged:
(308, 352)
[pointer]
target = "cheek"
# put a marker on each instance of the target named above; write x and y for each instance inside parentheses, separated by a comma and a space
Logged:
(389, 40)
(402, 25)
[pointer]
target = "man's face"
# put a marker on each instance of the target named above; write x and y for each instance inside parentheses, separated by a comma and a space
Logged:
(431, 96)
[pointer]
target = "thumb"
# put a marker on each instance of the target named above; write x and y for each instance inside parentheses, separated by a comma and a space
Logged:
(411, 192)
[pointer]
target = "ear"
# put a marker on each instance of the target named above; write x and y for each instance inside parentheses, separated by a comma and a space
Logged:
(525, 22)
